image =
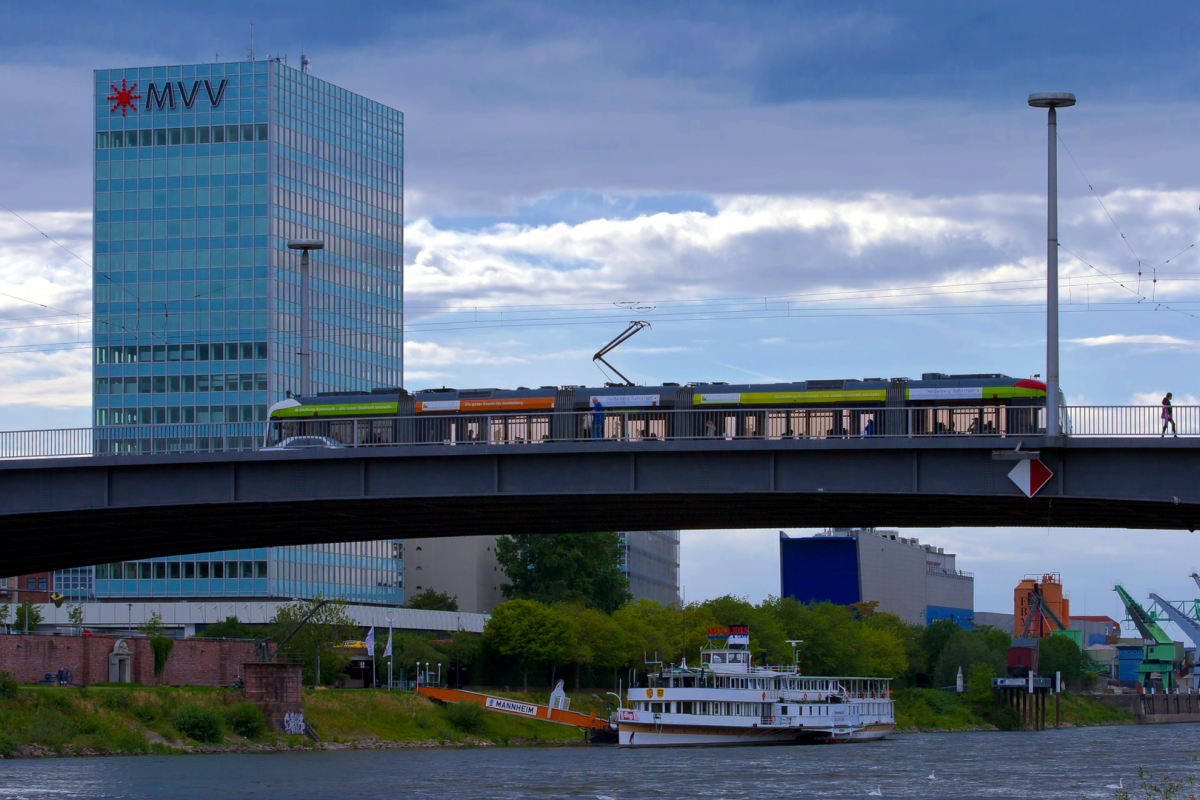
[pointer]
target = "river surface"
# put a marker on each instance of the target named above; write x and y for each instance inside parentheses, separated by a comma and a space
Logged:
(1052, 764)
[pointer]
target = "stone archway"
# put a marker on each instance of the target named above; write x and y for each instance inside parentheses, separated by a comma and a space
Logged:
(120, 663)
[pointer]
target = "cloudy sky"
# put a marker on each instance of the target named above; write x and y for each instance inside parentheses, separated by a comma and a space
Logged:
(784, 190)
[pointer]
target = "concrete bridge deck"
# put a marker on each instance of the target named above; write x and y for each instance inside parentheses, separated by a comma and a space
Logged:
(57, 513)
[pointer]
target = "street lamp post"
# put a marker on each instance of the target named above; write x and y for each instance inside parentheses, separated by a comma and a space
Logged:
(390, 616)
(131, 620)
(304, 246)
(1052, 101)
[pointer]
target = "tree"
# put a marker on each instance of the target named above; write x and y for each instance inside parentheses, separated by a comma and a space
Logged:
(965, 649)
(575, 568)
(431, 600)
(153, 626)
(28, 616)
(319, 638)
(75, 616)
(1060, 654)
(4, 612)
(230, 628)
(934, 639)
(528, 631)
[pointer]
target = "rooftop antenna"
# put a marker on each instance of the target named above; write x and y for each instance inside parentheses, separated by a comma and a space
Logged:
(633, 328)
(304, 62)
(250, 51)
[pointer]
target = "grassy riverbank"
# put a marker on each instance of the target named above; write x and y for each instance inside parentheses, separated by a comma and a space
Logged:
(935, 710)
(117, 720)
(105, 720)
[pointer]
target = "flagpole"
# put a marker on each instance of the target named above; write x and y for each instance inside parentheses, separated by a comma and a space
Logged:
(390, 657)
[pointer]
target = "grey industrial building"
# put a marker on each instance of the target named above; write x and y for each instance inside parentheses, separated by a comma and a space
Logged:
(918, 582)
(466, 567)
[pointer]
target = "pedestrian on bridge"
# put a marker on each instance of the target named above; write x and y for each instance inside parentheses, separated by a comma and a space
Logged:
(1168, 417)
(598, 420)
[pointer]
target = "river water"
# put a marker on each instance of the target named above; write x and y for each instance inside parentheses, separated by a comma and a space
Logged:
(1052, 764)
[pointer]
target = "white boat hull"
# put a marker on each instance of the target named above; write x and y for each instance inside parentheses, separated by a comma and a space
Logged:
(640, 735)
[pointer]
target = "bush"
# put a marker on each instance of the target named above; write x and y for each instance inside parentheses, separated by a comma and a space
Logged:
(118, 701)
(246, 719)
(466, 717)
(201, 724)
(8, 685)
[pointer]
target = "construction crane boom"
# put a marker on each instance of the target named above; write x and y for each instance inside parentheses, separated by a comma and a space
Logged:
(1145, 624)
(1188, 625)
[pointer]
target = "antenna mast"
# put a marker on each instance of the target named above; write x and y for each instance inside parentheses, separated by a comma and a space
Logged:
(250, 51)
(624, 336)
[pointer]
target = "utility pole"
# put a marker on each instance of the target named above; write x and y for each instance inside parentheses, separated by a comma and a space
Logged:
(304, 246)
(1052, 101)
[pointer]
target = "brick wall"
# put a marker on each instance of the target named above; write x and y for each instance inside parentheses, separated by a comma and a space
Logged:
(276, 689)
(193, 662)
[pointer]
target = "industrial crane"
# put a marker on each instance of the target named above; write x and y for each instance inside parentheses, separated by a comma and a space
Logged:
(1160, 654)
(1038, 606)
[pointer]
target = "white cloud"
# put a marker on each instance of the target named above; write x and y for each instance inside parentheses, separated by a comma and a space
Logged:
(1156, 398)
(434, 354)
(1156, 340)
(772, 340)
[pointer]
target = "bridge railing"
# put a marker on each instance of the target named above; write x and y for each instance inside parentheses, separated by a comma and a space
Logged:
(615, 425)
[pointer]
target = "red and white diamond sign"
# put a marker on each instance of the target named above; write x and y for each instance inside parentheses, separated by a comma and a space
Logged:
(1030, 476)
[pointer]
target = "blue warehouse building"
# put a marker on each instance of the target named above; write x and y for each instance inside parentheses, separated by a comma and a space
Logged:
(918, 582)
(203, 173)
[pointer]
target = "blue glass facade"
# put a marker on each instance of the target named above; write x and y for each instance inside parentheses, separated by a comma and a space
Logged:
(202, 174)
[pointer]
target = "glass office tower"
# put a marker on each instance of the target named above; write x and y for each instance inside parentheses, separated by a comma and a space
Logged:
(202, 174)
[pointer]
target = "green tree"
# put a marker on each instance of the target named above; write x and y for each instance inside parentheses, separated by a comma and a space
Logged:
(75, 616)
(153, 626)
(319, 638)
(528, 631)
(230, 628)
(28, 616)
(463, 652)
(431, 600)
(574, 568)
(602, 638)
(1060, 654)
(4, 612)
(979, 684)
(965, 649)
(934, 639)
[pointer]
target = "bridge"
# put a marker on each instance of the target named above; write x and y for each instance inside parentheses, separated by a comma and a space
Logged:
(58, 512)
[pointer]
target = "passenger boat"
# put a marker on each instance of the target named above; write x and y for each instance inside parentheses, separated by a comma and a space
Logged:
(728, 700)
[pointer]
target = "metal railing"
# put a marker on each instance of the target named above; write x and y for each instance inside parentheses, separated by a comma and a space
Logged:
(614, 426)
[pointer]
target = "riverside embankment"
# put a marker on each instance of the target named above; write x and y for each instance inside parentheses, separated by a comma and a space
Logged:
(115, 720)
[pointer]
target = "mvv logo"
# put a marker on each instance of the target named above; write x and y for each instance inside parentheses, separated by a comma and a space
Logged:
(165, 97)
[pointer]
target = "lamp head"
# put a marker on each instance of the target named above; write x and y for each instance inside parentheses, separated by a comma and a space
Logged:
(1049, 100)
(310, 244)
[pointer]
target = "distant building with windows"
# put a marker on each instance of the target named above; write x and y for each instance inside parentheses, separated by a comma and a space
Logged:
(466, 567)
(366, 573)
(202, 174)
(918, 582)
